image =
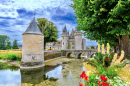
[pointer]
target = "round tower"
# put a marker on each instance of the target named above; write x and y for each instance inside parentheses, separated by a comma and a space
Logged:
(32, 47)
(65, 38)
(84, 44)
(78, 40)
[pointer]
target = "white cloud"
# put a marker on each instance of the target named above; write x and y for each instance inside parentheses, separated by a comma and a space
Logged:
(44, 8)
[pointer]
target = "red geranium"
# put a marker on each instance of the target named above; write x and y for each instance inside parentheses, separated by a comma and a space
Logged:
(100, 83)
(103, 77)
(86, 77)
(83, 75)
(105, 84)
(80, 84)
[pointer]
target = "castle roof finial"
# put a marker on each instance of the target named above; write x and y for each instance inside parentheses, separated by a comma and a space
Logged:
(65, 30)
(34, 13)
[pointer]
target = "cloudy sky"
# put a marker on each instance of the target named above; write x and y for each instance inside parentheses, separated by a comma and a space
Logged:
(15, 16)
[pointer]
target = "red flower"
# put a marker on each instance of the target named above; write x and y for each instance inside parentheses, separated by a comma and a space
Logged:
(83, 74)
(100, 83)
(86, 77)
(103, 77)
(80, 84)
(105, 84)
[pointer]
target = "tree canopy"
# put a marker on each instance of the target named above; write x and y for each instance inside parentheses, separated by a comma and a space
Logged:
(3, 41)
(92, 47)
(8, 45)
(103, 20)
(15, 46)
(50, 31)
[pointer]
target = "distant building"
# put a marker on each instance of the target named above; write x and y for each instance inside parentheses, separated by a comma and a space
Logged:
(20, 46)
(53, 45)
(74, 40)
(88, 47)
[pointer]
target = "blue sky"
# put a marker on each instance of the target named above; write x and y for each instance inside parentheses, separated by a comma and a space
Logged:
(15, 16)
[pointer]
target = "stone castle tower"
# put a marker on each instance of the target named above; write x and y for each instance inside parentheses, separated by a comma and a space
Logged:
(33, 46)
(65, 38)
(75, 40)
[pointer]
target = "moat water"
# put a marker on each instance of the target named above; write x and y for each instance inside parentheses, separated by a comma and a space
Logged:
(59, 75)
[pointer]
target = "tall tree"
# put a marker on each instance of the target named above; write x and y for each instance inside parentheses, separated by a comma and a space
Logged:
(3, 41)
(15, 46)
(8, 45)
(92, 47)
(50, 31)
(104, 21)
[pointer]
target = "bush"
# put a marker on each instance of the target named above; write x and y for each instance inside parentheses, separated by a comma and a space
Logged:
(0, 57)
(12, 56)
(104, 59)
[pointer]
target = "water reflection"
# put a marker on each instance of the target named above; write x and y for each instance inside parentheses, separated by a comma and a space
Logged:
(34, 76)
(71, 73)
(4, 66)
(60, 75)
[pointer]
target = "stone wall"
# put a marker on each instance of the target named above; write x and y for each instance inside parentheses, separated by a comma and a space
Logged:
(51, 55)
(33, 48)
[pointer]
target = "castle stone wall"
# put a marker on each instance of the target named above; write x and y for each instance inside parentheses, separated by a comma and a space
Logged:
(33, 48)
(64, 42)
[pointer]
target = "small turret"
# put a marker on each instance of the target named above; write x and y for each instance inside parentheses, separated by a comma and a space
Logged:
(65, 37)
(72, 34)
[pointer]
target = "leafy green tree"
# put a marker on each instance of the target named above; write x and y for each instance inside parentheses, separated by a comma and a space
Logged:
(92, 47)
(8, 45)
(3, 41)
(15, 46)
(50, 31)
(88, 48)
(104, 21)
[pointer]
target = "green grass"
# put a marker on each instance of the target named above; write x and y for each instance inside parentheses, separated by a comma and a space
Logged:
(10, 56)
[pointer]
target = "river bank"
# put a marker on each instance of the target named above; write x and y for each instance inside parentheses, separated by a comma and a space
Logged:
(50, 62)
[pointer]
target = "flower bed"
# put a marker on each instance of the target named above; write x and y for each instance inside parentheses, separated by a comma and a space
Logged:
(105, 69)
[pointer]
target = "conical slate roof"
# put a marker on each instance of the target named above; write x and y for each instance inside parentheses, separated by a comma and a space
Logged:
(72, 34)
(65, 30)
(33, 28)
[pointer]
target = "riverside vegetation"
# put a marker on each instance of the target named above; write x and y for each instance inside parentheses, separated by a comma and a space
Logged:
(11, 55)
(107, 69)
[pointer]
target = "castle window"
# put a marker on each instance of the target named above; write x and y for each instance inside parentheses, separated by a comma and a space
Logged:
(73, 47)
(72, 43)
(63, 43)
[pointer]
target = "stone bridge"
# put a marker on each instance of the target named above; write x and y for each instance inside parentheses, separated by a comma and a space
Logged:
(78, 53)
